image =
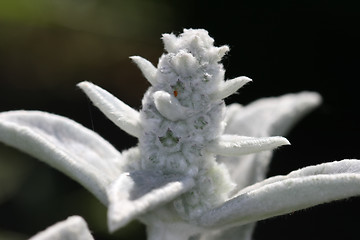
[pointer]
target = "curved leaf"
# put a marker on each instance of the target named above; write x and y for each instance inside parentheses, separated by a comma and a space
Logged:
(263, 118)
(65, 145)
(300, 189)
(135, 193)
(234, 145)
(125, 117)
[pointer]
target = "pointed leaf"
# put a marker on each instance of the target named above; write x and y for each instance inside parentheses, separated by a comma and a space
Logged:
(263, 118)
(300, 189)
(169, 106)
(229, 87)
(135, 193)
(147, 69)
(65, 145)
(233, 145)
(73, 228)
(125, 117)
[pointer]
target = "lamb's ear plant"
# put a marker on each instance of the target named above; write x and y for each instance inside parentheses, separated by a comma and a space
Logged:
(199, 166)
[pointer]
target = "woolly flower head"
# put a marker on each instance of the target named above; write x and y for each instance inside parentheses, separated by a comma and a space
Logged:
(196, 41)
(180, 117)
(183, 110)
(183, 115)
(190, 70)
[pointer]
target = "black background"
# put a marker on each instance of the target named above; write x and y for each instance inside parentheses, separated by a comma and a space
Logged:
(284, 46)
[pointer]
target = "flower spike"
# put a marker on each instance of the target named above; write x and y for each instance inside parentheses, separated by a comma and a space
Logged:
(147, 68)
(121, 114)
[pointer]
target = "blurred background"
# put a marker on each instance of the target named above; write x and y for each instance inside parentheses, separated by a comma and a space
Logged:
(48, 46)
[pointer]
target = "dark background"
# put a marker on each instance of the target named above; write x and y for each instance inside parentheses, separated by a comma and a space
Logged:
(47, 46)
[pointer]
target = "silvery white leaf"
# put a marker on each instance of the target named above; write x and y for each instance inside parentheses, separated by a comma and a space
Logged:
(125, 117)
(258, 119)
(262, 118)
(229, 87)
(147, 68)
(135, 193)
(169, 106)
(65, 145)
(279, 195)
(270, 116)
(234, 145)
(73, 228)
